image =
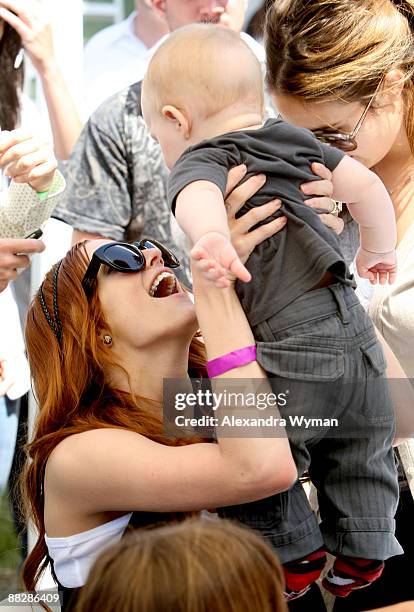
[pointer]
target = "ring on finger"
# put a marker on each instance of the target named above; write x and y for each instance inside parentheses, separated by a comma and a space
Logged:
(336, 207)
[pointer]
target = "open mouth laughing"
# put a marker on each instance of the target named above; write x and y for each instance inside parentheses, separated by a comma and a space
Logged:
(164, 285)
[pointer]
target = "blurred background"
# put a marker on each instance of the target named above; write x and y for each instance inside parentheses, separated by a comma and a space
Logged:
(75, 22)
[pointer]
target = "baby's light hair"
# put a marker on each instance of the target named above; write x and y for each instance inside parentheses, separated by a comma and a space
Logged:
(208, 65)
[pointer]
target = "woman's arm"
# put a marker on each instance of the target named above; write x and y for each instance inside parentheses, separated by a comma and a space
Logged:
(35, 31)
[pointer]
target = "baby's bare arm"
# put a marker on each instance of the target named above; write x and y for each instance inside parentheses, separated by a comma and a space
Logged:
(201, 213)
(200, 209)
(369, 204)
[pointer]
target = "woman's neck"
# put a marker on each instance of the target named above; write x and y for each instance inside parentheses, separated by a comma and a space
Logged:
(396, 170)
(150, 366)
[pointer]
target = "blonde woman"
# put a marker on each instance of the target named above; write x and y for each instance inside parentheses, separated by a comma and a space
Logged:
(345, 70)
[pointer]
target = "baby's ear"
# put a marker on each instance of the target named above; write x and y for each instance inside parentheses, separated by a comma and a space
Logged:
(182, 122)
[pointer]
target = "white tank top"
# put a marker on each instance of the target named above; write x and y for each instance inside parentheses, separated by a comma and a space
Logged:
(74, 556)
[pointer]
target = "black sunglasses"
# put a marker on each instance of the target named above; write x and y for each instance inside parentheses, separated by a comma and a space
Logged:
(124, 257)
(343, 140)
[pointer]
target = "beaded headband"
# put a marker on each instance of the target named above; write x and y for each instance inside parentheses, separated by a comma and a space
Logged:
(55, 325)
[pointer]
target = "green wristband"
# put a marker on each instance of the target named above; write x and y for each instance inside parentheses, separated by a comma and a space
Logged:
(42, 195)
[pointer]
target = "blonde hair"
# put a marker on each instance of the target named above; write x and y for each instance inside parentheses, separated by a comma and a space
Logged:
(206, 64)
(195, 566)
(340, 49)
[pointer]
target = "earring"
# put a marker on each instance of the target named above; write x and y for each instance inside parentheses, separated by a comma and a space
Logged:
(107, 340)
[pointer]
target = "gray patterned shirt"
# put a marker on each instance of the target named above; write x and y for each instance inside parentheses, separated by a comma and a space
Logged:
(117, 179)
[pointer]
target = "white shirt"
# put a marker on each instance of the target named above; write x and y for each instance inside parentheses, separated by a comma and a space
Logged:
(113, 59)
(74, 556)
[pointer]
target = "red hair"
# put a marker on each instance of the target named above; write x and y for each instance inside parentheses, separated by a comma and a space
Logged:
(71, 389)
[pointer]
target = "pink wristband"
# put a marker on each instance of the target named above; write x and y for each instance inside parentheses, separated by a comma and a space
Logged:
(230, 361)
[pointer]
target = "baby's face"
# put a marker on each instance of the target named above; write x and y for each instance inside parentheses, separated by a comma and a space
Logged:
(164, 130)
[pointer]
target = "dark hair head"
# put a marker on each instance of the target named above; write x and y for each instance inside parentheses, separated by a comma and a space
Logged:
(11, 79)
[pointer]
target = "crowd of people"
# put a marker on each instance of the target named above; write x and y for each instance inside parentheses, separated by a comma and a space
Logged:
(241, 210)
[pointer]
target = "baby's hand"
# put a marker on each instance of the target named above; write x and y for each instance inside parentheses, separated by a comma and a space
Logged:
(377, 267)
(218, 261)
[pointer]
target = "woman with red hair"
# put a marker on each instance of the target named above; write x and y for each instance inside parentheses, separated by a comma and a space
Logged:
(110, 322)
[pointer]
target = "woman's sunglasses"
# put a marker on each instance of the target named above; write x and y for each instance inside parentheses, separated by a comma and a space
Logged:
(124, 257)
(342, 140)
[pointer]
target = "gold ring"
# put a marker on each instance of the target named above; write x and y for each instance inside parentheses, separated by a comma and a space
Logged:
(336, 207)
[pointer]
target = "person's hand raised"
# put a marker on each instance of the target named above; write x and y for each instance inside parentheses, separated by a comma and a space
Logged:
(25, 158)
(30, 21)
(14, 256)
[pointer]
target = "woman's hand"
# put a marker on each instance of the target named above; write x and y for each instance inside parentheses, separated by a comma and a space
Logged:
(322, 190)
(14, 256)
(27, 159)
(243, 240)
(32, 24)
(237, 195)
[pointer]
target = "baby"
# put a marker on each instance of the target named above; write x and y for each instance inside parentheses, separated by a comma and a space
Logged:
(202, 99)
